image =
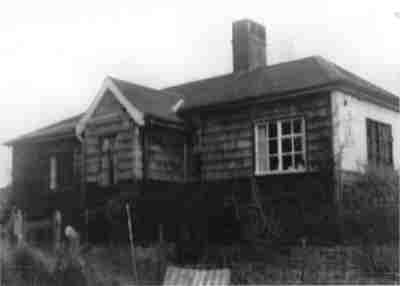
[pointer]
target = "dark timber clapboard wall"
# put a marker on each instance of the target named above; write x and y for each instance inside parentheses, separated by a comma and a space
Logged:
(110, 120)
(31, 175)
(165, 154)
(127, 148)
(225, 137)
(224, 145)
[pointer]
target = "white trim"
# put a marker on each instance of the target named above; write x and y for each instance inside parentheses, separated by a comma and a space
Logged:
(108, 84)
(279, 135)
(177, 105)
(53, 173)
(256, 148)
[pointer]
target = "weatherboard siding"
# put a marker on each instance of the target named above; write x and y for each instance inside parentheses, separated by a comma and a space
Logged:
(225, 141)
(31, 175)
(127, 150)
(165, 154)
(110, 120)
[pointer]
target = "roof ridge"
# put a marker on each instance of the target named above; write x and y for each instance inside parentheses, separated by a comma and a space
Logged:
(132, 83)
(197, 81)
(116, 80)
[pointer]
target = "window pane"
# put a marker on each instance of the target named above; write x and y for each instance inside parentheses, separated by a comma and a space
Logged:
(262, 155)
(298, 144)
(262, 148)
(262, 131)
(287, 145)
(390, 153)
(273, 146)
(285, 153)
(286, 127)
(272, 130)
(379, 146)
(262, 164)
(297, 126)
(287, 162)
(299, 161)
(273, 163)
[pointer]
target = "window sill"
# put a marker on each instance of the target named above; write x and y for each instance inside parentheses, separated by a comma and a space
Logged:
(281, 172)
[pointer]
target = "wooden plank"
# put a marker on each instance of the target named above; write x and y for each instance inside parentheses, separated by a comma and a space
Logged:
(125, 175)
(232, 165)
(123, 166)
(230, 147)
(92, 169)
(223, 156)
(91, 178)
(226, 128)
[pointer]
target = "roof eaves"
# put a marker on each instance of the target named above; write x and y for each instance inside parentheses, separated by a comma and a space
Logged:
(40, 138)
(365, 94)
(38, 133)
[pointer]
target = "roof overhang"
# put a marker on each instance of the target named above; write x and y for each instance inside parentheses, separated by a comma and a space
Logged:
(273, 97)
(108, 84)
(40, 139)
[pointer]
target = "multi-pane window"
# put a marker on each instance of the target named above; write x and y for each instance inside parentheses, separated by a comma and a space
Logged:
(108, 161)
(53, 173)
(379, 143)
(280, 146)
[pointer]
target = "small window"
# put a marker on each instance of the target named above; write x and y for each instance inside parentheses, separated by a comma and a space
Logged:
(379, 143)
(108, 161)
(280, 146)
(53, 172)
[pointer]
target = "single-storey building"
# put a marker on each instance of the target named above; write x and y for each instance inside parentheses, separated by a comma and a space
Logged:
(252, 147)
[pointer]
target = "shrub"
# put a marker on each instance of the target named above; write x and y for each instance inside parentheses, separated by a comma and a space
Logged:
(371, 212)
(29, 266)
(371, 217)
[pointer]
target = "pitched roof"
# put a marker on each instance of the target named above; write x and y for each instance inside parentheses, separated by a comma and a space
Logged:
(298, 75)
(62, 128)
(151, 101)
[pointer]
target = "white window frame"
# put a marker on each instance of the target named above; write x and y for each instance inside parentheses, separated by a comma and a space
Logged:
(53, 173)
(108, 149)
(279, 154)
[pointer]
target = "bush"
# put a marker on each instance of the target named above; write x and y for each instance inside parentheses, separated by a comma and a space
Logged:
(371, 207)
(371, 217)
(26, 265)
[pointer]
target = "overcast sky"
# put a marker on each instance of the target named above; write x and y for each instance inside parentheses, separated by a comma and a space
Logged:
(55, 54)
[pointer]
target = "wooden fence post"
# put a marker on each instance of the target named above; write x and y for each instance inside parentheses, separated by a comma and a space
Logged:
(161, 250)
(86, 214)
(1, 255)
(132, 246)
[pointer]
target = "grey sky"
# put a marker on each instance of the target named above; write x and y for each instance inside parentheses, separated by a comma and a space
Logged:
(54, 54)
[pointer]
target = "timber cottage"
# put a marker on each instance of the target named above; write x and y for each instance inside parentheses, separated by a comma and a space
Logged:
(228, 155)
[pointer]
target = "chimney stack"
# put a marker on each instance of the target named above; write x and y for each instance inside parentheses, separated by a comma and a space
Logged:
(249, 45)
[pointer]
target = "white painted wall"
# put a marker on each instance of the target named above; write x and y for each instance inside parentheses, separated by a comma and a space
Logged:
(350, 132)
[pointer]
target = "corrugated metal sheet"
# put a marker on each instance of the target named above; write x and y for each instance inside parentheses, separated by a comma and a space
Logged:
(196, 277)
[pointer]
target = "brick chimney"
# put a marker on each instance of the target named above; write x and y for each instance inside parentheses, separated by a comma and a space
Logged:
(249, 45)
